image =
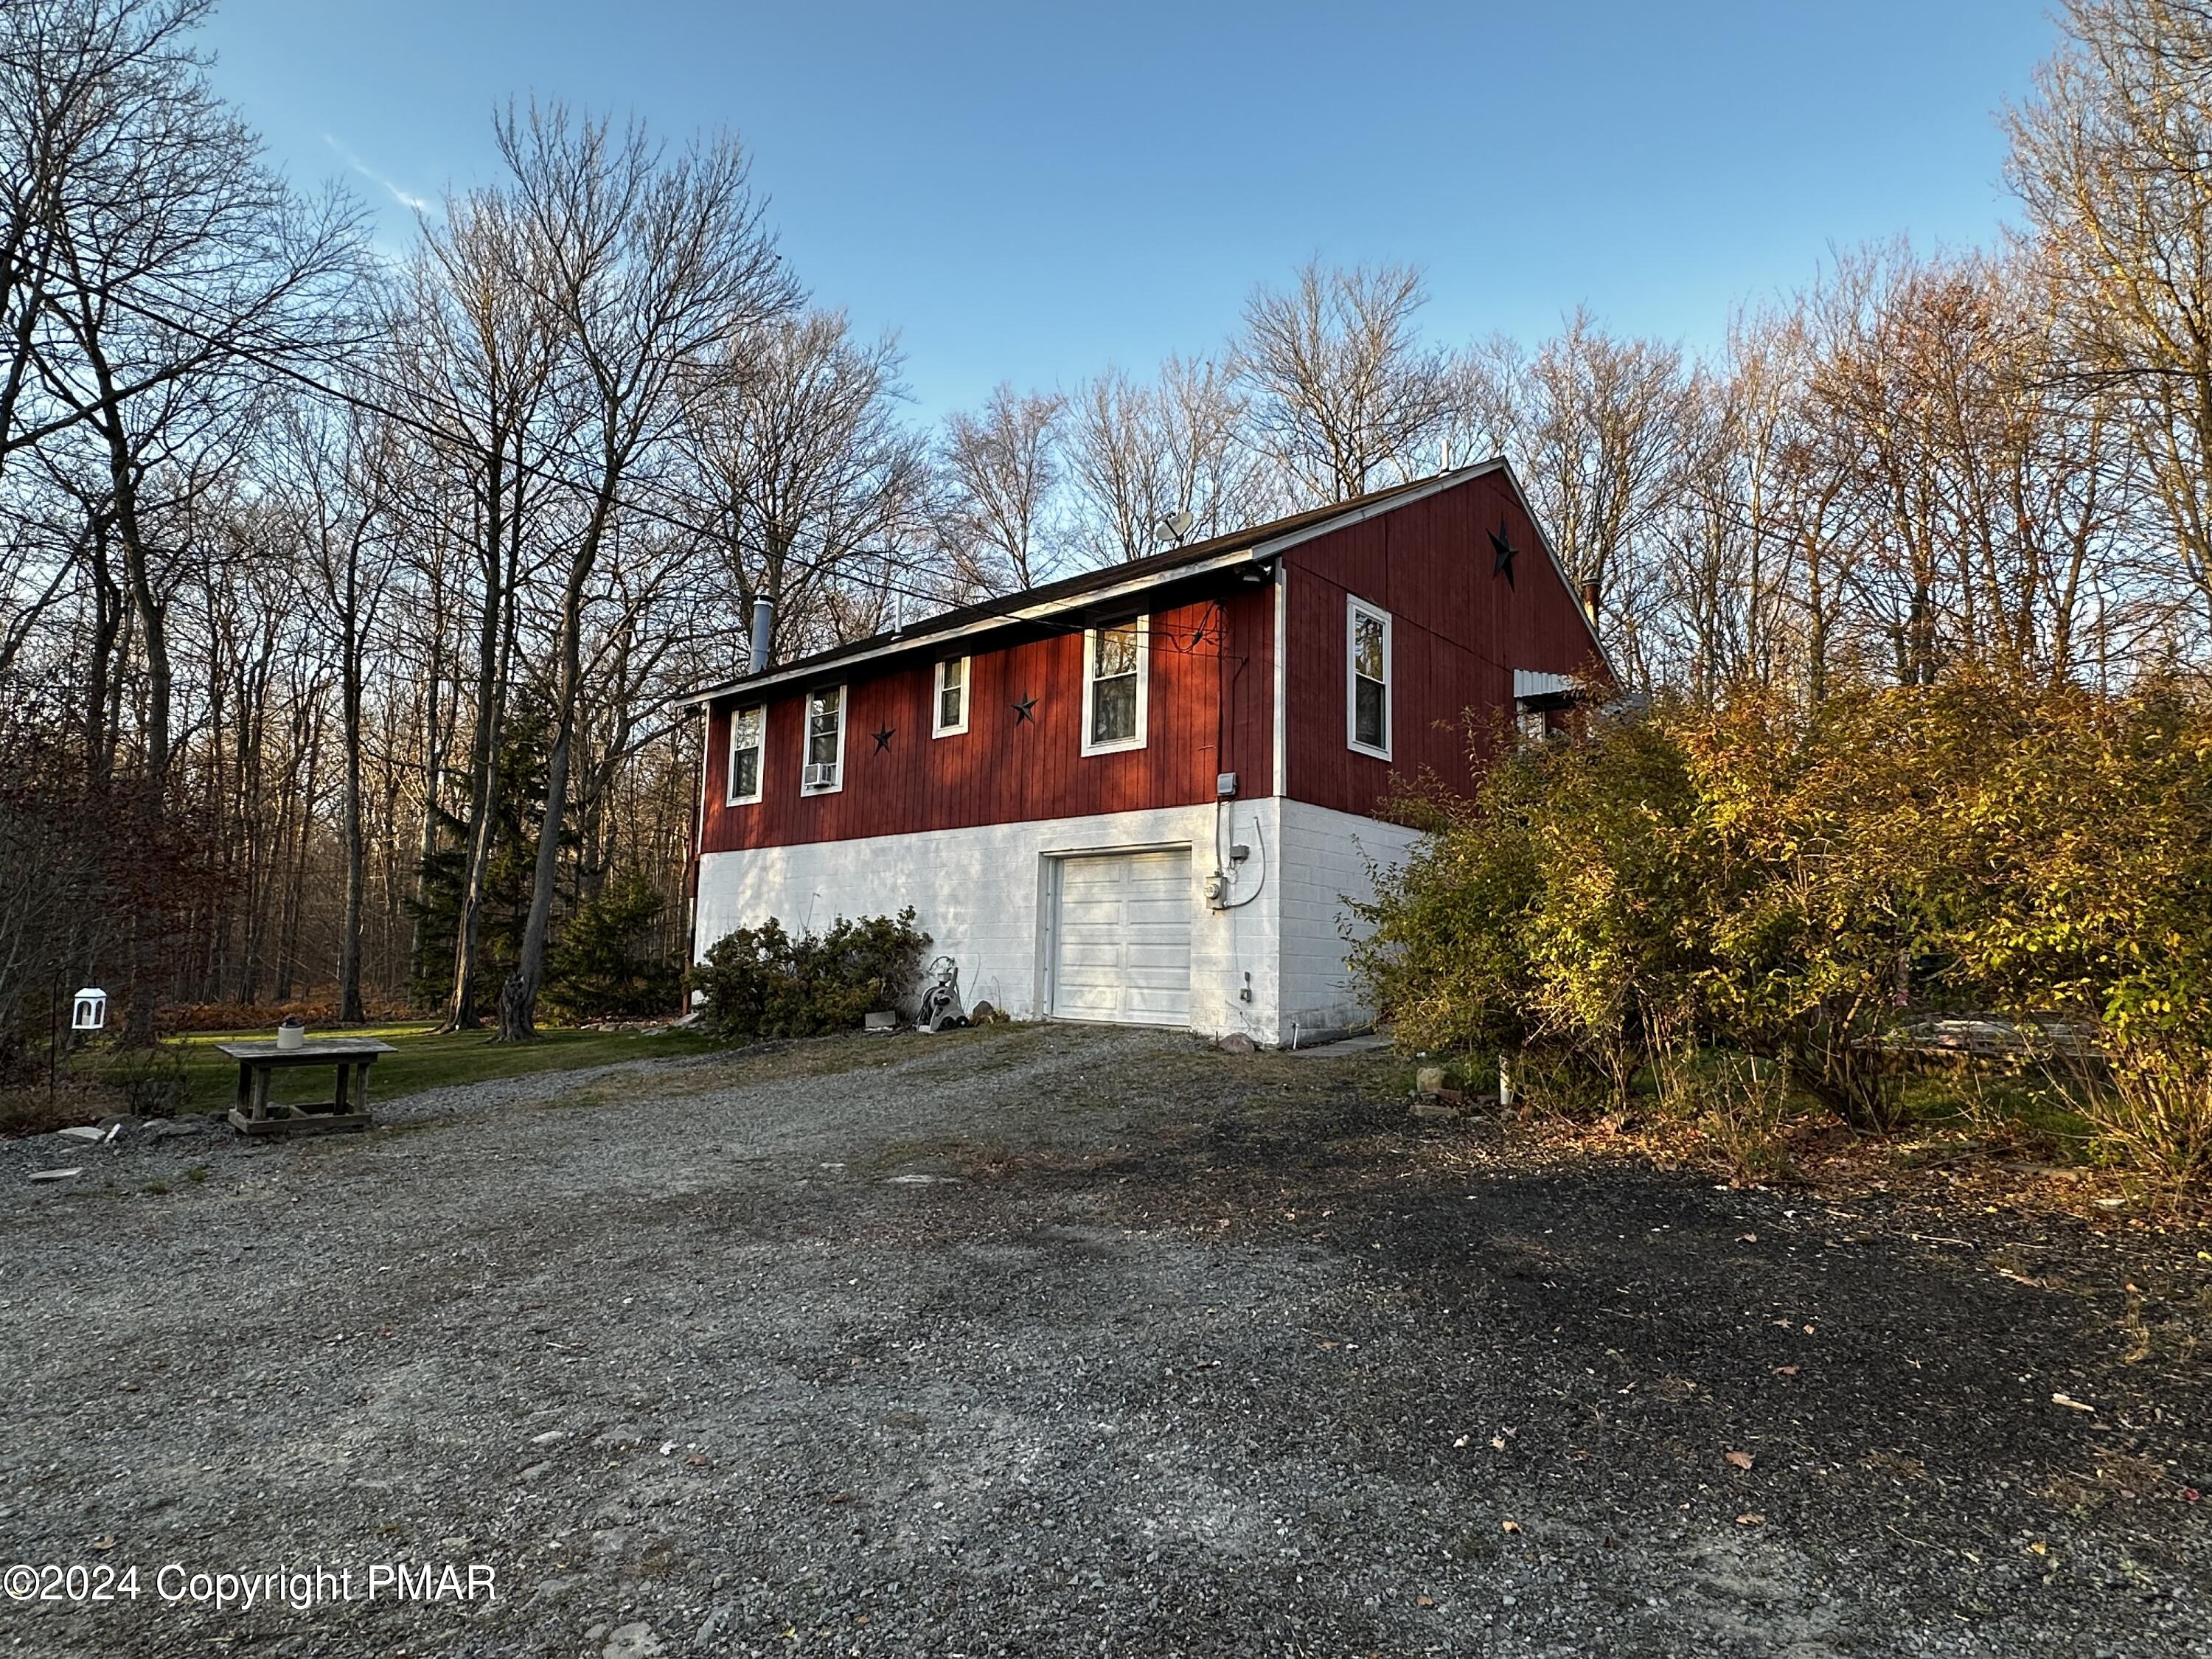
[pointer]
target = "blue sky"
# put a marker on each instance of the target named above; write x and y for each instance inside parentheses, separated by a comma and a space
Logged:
(1031, 192)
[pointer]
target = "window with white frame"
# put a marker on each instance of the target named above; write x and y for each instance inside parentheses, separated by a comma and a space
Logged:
(1114, 674)
(747, 726)
(949, 716)
(825, 741)
(1367, 701)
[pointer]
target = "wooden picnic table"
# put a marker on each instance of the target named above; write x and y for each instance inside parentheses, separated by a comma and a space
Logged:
(258, 1062)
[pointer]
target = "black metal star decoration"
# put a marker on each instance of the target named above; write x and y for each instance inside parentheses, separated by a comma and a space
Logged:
(1025, 710)
(883, 739)
(1503, 564)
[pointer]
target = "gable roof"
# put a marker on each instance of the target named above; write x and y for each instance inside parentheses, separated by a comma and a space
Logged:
(1042, 606)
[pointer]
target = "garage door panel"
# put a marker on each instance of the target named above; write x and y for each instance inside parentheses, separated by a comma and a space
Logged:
(1090, 1001)
(1076, 878)
(1158, 964)
(1146, 1007)
(1175, 892)
(1122, 941)
(1103, 908)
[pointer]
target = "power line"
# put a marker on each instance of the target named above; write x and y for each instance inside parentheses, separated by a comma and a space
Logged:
(995, 605)
(524, 467)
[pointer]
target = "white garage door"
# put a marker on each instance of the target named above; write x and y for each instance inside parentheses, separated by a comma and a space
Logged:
(1121, 953)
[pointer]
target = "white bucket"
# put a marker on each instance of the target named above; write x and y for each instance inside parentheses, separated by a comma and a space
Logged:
(291, 1037)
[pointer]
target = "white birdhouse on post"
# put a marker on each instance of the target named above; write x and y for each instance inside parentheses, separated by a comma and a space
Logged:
(91, 1014)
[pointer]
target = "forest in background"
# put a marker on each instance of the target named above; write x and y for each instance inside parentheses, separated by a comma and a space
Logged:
(342, 596)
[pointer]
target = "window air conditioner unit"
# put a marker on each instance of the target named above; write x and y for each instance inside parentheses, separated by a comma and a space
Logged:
(822, 775)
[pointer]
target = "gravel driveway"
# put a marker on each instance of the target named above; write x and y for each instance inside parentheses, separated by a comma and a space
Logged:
(1054, 1341)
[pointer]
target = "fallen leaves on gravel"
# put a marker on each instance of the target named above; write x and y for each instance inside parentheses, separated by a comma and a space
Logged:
(1753, 1520)
(2070, 1403)
(1511, 1526)
(1741, 1459)
(1786, 1370)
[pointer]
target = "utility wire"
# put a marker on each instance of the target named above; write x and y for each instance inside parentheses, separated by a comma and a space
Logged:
(993, 606)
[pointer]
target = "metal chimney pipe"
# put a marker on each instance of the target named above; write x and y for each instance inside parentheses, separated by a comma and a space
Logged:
(1590, 598)
(763, 626)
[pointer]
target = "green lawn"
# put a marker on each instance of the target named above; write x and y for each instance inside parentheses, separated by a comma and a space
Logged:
(427, 1058)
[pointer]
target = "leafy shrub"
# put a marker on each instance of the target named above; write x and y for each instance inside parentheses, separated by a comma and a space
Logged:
(1779, 881)
(762, 981)
(1738, 1103)
(609, 962)
(2155, 1110)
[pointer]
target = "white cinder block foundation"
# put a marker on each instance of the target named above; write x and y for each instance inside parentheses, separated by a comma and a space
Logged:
(983, 894)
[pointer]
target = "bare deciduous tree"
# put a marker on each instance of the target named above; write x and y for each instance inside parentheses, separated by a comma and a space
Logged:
(474, 350)
(1141, 457)
(801, 474)
(1601, 428)
(999, 471)
(2110, 158)
(655, 269)
(1343, 393)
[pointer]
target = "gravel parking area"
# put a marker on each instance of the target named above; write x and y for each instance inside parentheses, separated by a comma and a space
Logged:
(1054, 1341)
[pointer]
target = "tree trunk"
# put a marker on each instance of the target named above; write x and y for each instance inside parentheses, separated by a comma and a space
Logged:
(106, 638)
(483, 751)
(518, 1010)
(152, 611)
(350, 1010)
(433, 761)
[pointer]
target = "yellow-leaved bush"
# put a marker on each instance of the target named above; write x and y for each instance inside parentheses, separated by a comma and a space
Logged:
(1786, 883)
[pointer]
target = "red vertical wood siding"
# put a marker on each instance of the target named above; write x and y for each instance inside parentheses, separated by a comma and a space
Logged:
(1457, 631)
(1209, 709)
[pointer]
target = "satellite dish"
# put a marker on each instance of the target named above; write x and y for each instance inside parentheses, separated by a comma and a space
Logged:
(1177, 526)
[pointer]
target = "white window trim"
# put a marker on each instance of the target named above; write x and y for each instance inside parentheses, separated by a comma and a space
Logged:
(1354, 610)
(937, 696)
(729, 797)
(1144, 688)
(806, 739)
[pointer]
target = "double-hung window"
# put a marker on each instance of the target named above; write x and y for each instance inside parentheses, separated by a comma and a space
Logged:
(746, 727)
(1367, 676)
(825, 742)
(949, 716)
(1115, 672)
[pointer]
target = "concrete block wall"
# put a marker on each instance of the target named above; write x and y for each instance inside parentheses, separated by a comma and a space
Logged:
(980, 894)
(1325, 856)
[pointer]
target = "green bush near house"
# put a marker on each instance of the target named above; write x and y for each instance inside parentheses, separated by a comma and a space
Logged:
(764, 982)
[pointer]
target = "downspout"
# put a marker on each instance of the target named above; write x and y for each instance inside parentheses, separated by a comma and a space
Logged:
(1277, 783)
(698, 838)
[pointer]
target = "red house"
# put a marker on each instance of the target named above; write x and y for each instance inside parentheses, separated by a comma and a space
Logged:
(1144, 795)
